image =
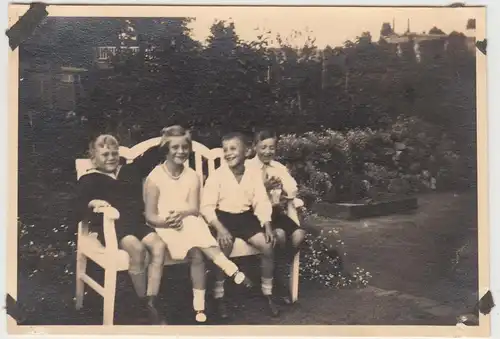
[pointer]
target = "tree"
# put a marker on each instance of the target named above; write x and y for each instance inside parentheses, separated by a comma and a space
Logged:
(223, 38)
(69, 41)
(471, 24)
(144, 90)
(364, 39)
(435, 30)
(386, 29)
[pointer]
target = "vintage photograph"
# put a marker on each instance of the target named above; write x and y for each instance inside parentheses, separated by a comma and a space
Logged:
(250, 165)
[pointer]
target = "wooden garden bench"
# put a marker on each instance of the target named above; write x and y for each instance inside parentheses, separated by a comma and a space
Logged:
(114, 260)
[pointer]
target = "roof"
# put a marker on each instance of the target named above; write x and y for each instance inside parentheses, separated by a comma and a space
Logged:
(73, 69)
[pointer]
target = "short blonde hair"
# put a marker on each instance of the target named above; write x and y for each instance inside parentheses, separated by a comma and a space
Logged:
(102, 141)
(174, 131)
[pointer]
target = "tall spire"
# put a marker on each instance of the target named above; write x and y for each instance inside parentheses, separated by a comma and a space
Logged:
(408, 28)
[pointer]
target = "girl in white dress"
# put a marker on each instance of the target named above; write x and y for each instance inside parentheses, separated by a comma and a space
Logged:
(172, 200)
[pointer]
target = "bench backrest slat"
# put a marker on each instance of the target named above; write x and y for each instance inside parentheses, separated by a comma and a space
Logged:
(200, 152)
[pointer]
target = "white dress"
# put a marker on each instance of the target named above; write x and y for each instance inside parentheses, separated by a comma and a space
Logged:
(174, 195)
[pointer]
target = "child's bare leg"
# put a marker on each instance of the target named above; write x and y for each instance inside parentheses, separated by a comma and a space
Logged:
(197, 268)
(267, 265)
(137, 268)
(156, 248)
(281, 262)
(280, 237)
(284, 256)
(198, 279)
(298, 238)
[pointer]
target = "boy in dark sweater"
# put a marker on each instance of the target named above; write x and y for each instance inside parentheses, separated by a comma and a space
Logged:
(110, 183)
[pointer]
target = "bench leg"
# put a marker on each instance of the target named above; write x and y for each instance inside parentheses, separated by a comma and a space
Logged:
(109, 296)
(294, 277)
(81, 268)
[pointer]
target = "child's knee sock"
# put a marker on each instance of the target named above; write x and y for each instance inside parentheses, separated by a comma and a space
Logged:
(138, 278)
(227, 266)
(267, 286)
(198, 300)
(219, 289)
(199, 305)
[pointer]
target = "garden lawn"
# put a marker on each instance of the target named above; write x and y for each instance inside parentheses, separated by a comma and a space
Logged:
(431, 253)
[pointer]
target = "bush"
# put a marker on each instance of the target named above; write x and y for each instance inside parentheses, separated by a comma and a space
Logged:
(408, 156)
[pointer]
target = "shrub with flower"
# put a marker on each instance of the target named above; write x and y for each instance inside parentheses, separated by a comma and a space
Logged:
(322, 261)
(408, 156)
(323, 257)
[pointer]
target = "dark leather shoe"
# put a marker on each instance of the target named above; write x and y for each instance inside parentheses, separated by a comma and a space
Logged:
(247, 283)
(283, 292)
(155, 315)
(285, 300)
(273, 308)
(221, 308)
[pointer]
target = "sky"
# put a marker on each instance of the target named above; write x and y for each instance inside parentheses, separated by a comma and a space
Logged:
(330, 25)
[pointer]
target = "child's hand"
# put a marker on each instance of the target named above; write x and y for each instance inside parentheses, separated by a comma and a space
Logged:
(96, 204)
(269, 234)
(272, 183)
(174, 220)
(224, 238)
(177, 220)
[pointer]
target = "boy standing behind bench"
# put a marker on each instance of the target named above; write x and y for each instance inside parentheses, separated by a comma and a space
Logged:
(236, 205)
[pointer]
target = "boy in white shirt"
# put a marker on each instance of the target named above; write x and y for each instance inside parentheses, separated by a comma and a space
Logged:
(236, 206)
(281, 187)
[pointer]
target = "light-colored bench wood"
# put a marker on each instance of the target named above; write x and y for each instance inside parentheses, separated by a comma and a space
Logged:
(114, 260)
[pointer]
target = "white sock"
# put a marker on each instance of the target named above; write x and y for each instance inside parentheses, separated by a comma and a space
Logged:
(267, 286)
(198, 300)
(219, 289)
(225, 264)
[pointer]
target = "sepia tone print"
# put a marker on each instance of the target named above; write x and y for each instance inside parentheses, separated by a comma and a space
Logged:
(225, 166)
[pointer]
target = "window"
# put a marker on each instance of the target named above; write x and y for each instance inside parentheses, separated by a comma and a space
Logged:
(70, 78)
(67, 78)
(104, 53)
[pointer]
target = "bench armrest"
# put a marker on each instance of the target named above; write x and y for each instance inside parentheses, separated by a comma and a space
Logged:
(109, 215)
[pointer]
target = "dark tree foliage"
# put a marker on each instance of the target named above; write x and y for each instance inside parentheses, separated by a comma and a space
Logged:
(175, 79)
(435, 30)
(229, 84)
(340, 110)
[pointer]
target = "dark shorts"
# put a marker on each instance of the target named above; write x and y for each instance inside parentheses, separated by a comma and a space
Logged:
(138, 230)
(242, 225)
(283, 221)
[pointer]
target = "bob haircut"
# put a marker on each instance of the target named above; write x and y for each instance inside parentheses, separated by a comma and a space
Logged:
(102, 140)
(263, 135)
(174, 131)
